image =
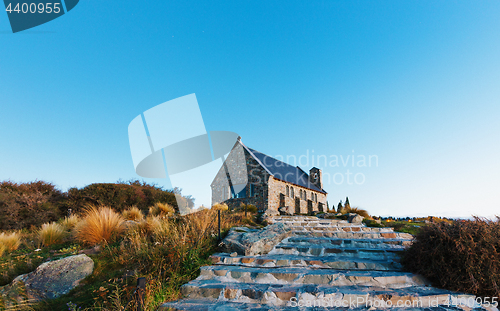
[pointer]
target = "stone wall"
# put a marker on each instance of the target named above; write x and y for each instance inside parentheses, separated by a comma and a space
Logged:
(243, 169)
(277, 187)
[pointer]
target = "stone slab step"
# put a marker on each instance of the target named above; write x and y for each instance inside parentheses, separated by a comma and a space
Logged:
(353, 234)
(204, 305)
(325, 262)
(354, 296)
(303, 275)
(367, 253)
(340, 228)
(358, 243)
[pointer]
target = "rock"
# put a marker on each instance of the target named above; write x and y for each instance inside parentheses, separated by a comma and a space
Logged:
(326, 215)
(50, 280)
(250, 242)
(286, 210)
(355, 218)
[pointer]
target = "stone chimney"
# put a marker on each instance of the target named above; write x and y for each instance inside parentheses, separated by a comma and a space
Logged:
(315, 177)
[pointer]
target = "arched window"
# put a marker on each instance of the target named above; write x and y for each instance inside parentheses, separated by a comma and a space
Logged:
(287, 191)
(315, 197)
(291, 192)
(300, 194)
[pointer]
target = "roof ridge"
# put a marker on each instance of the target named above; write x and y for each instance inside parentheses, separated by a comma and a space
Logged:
(253, 155)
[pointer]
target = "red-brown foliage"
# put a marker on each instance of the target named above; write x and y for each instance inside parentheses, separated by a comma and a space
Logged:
(462, 256)
(28, 204)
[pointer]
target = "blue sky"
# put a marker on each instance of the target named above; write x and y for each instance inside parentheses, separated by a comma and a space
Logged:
(416, 83)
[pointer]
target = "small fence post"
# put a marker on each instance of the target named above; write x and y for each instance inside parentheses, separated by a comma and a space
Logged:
(218, 214)
(141, 288)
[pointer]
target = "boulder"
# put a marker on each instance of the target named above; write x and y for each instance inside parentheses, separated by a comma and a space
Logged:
(50, 280)
(250, 242)
(326, 215)
(286, 210)
(355, 218)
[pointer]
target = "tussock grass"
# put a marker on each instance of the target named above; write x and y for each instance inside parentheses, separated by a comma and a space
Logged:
(220, 206)
(356, 210)
(9, 241)
(161, 209)
(68, 223)
(460, 256)
(100, 224)
(51, 233)
(133, 214)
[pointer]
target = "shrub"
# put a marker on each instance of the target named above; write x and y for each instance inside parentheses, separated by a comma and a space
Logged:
(30, 204)
(220, 206)
(120, 196)
(250, 208)
(356, 210)
(133, 214)
(10, 241)
(100, 225)
(161, 209)
(461, 256)
(51, 233)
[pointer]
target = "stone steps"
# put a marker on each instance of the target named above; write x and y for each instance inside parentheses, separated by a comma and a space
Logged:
(325, 262)
(315, 250)
(358, 243)
(204, 305)
(354, 235)
(339, 229)
(307, 275)
(353, 296)
(319, 263)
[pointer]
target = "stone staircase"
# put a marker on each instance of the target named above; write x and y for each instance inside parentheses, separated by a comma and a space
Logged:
(323, 264)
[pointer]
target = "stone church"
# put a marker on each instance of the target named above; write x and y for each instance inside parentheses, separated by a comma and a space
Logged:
(251, 177)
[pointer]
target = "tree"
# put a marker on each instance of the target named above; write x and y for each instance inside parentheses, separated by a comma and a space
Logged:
(340, 207)
(347, 206)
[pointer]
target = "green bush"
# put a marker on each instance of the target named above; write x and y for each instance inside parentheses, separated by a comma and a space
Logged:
(461, 256)
(120, 196)
(30, 204)
(250, 208)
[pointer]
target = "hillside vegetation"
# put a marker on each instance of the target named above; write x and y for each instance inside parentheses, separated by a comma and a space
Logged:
(461, 255)
(25, 205)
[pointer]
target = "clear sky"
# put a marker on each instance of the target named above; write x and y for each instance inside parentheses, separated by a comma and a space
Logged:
(414, 83)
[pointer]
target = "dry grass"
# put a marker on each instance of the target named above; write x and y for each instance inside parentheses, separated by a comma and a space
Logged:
(9, 241)
(70, 222)
(99, 225)
(356, 210)
(133, 214)
(220, 206)
(52, 233)
(2, 249)
(146, 226)
(162, 210)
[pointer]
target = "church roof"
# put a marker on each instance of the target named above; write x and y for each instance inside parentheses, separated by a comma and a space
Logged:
(283, 171)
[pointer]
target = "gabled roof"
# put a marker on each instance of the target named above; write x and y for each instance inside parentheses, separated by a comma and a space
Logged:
(283, 171)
